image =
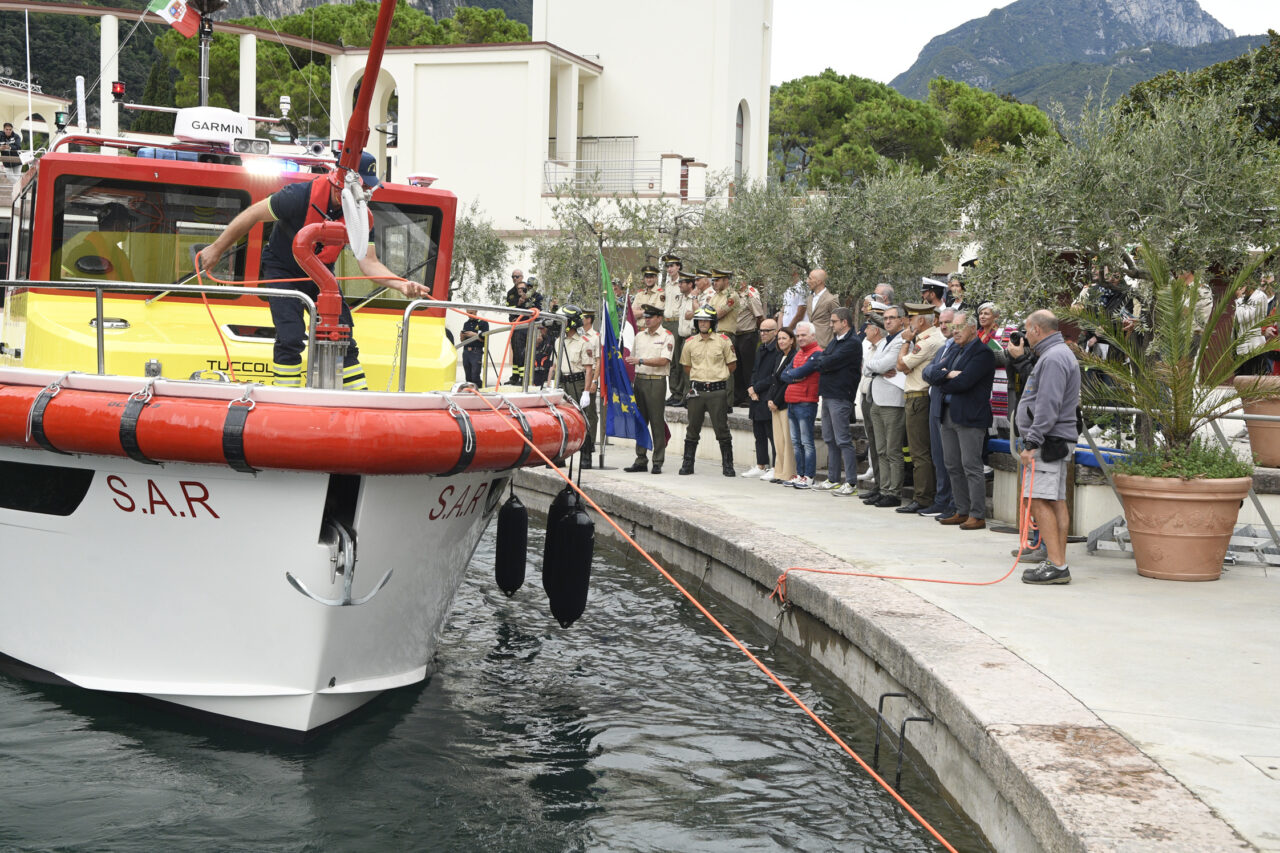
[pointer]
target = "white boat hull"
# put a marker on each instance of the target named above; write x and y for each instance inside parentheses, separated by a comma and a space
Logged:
(170, 581)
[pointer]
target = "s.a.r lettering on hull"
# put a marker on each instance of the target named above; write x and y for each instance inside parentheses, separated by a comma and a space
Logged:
(150, 499)
(454, 504)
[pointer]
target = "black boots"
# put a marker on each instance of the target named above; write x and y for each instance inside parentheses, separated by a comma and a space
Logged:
(690, 448)
(726, 459)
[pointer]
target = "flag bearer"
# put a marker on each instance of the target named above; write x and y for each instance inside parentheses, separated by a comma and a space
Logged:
(651, 355)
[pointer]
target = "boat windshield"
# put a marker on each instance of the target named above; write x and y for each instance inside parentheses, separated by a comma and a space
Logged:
(405, 238)
(114, 230)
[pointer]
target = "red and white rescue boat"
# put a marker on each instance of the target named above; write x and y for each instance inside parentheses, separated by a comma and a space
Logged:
(278, 556)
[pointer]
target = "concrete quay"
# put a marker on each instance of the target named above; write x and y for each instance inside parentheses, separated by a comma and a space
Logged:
(1114, 714)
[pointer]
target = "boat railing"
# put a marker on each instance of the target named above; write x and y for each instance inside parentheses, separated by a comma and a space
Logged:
(530, 346)
(99, 288)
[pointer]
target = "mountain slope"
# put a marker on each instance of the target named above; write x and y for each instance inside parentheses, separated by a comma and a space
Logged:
(1031, 34)
(1069, 84)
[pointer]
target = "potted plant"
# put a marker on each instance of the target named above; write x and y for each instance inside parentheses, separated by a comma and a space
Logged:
(1181, 492)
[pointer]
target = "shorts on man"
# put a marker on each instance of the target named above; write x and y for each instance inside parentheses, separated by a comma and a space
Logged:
(1048, 480)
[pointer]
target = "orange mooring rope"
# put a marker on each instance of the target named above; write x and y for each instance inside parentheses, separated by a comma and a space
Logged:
(1024, 525)
(741, 647)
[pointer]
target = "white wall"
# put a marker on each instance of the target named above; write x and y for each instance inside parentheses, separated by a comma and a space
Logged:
(675, 70)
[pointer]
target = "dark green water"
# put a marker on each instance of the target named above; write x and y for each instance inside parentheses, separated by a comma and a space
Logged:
(637, 729)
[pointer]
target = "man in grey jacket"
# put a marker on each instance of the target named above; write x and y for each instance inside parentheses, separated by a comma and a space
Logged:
(1047, 423)
(887, 401)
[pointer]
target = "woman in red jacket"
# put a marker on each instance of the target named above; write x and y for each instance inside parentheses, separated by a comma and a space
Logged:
(802, 407)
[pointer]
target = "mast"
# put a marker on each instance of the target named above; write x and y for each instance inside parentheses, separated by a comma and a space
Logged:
(206, 8)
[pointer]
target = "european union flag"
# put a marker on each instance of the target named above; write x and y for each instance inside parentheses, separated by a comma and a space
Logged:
(621, 417)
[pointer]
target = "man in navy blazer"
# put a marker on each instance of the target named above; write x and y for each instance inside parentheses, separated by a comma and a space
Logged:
(964, 376)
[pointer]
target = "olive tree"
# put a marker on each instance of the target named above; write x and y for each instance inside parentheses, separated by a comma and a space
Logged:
(884, 227)
(1185, 176)
(479, 258)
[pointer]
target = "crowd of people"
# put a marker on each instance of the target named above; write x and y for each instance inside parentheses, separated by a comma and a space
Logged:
(931, 380)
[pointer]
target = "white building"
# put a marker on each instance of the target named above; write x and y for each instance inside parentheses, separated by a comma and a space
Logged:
(648, 96)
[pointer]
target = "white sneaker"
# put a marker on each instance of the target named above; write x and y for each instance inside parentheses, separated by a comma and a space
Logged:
(826, 485)
(868, 476)
(793, 481)
(804, 483)
(767, 476)
(752, 472)
(845, 491)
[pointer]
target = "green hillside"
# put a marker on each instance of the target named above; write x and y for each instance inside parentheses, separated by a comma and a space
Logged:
(1069, 84)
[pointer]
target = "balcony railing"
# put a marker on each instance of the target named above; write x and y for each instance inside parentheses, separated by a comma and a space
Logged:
(605, 176)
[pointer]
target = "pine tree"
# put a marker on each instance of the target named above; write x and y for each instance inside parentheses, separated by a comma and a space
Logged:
(159, 92)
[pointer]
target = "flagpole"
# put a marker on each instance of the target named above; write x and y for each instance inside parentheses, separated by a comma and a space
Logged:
(602, 431)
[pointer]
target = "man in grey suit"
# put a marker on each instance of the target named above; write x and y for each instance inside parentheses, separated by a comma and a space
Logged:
(821, 303)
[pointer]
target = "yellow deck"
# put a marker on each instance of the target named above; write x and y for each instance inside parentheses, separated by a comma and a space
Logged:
(56, 332)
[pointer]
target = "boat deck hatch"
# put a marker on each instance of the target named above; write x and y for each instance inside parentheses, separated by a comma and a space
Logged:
(46, 489)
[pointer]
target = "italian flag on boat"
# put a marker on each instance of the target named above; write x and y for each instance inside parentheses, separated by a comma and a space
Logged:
(182, 18)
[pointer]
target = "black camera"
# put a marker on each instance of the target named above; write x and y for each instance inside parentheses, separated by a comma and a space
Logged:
(1018, 337)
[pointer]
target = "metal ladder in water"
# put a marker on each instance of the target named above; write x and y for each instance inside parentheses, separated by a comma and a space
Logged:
(902, 735)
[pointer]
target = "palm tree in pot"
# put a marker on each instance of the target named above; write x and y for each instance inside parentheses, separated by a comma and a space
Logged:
(1181, 491)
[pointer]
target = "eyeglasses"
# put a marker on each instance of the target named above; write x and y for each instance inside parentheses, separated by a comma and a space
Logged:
(955, 327)
(517, 277)
(764, 331)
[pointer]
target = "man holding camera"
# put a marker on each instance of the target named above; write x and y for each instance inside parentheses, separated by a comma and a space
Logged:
(10, 146)
(521, 295)
(1046, 420)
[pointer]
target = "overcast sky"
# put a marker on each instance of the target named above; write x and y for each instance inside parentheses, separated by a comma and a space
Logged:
(880, 40)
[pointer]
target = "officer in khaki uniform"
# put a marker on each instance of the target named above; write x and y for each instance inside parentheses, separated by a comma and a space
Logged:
(682, 304)
(724, 301)
(575, 372)
(709, 359)
(651, 354)
(651, 294)
(921, 342)
(671, 314)
(746, 340)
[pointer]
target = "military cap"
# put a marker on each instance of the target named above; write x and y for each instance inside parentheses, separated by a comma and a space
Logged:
(589, 312)
(688, 276)
(878, 307)
(722, 273)
(651, 310)
(649, 269)
(933, 284)
(875, 320)
(918, 309)
(706, 273)
(671, 259)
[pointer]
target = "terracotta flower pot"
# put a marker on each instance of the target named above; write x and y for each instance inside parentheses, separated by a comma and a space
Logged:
(1180, 529)
(1264, 436)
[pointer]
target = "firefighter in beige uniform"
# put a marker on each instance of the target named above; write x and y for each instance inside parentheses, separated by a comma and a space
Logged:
(651, 354)
(575, 372)
(709, 359)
